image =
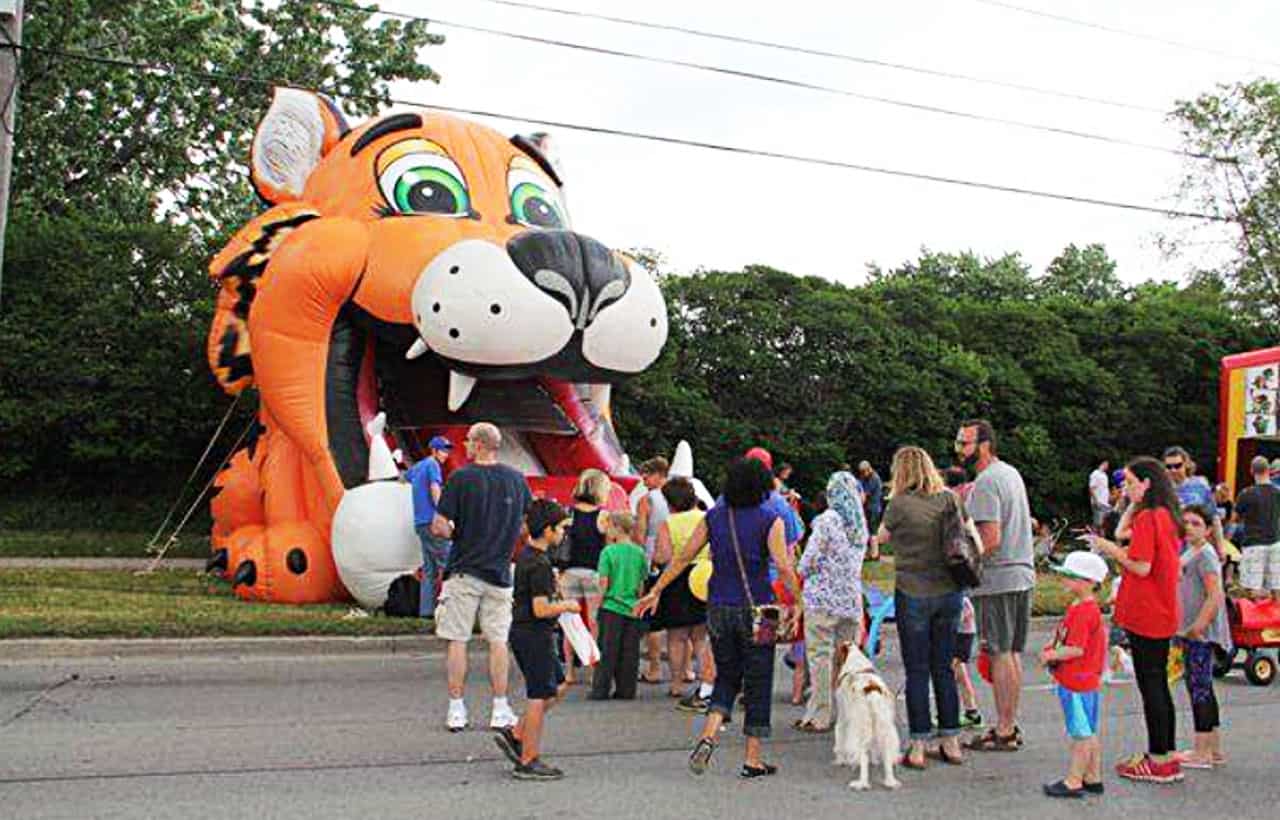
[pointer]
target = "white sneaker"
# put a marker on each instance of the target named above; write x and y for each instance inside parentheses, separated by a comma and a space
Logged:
(456, 721)
(503, 718)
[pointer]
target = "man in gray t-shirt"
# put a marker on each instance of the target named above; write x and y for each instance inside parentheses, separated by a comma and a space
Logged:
(998, 505)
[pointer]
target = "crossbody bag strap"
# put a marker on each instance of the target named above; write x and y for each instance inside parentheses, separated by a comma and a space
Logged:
(737, 553)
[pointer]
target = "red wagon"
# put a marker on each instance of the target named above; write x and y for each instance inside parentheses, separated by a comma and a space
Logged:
(1255, 628)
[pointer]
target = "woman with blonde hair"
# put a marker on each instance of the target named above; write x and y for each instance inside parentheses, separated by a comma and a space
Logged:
(578, 578)
(927, 602)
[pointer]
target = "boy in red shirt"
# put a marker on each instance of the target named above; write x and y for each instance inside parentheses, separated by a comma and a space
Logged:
(1075, 659)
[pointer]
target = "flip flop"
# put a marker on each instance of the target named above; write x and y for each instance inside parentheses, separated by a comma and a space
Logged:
(764, 770)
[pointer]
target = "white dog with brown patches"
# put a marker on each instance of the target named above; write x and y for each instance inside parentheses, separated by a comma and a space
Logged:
(865, 727)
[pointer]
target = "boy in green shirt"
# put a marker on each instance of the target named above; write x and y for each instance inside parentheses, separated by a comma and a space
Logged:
(622, 571)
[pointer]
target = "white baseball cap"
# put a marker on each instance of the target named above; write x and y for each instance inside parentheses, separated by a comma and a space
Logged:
(1083, 565)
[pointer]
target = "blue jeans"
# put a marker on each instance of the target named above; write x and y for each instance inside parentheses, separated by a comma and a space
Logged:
(435, 554)
(741, 666)
(927, 636)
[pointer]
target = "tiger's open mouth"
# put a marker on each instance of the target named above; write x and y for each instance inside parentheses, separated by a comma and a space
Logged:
(367, 371)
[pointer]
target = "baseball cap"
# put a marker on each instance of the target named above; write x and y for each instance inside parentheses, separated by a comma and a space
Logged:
(440, 443)
(1084, 566)
(761, 454)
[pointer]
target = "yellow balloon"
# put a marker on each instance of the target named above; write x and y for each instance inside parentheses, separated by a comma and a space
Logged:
(700, 579)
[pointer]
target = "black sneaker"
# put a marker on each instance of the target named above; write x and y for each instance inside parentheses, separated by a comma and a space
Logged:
(693, 703)
(1095, 788)
(1059, 788)
(510, 746)
(536, 770)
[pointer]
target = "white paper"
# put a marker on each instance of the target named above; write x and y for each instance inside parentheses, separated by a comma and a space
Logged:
(584, 646)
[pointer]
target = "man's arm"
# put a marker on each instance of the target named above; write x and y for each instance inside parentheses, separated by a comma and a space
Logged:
(990, 533)
(642, 520)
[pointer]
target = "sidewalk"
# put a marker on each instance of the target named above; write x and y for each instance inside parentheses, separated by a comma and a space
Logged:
(44, 649)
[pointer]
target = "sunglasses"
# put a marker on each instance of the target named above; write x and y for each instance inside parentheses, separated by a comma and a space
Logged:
(1174, 465)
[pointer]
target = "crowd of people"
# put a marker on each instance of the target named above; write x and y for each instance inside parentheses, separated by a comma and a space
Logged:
(716, 586)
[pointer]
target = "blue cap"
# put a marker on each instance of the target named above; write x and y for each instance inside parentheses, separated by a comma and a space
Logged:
(441, 443)
(1117, 478)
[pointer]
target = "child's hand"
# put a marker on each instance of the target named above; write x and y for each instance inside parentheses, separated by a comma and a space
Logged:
(1195, 632)
(1047, 655)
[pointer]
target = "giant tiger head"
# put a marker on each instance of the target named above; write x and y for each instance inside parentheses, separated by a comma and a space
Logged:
(425, 264)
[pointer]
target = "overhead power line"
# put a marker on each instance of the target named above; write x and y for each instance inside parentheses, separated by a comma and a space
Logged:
(1062, 18)
(618, 132)
(834, 55)
(783, 81)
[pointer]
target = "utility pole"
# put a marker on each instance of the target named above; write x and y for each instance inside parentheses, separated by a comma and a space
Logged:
(10, 39)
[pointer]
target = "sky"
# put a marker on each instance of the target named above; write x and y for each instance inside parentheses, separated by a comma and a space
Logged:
(713, 210)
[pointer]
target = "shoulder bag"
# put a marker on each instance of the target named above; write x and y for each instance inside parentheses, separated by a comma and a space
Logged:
(961, 545)
(770, 623)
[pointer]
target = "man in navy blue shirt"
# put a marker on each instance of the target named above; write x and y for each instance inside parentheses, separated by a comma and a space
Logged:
(427, 479)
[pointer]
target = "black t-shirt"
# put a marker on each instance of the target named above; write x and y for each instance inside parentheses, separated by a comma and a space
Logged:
(486, 504)
(533, 578)
(1258, 508)
(585, 539)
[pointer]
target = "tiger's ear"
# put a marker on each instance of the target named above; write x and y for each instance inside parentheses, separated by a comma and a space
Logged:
(298, 129)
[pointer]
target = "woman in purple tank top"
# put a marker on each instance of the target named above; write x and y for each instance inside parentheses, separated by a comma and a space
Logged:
(743, 536)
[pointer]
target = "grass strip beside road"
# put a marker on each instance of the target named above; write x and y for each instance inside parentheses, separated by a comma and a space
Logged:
(95, 544)
(49, 603)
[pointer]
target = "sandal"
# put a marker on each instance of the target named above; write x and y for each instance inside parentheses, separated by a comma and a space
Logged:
(646, 679)
(700, 758)
(941, 754)
(907, 763)
(993, 741)
(763, 770)
(810, 727)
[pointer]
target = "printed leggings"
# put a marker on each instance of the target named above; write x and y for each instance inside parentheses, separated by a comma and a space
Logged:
(1199, 676)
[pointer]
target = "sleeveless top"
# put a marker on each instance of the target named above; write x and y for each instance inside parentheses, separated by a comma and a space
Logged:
(586, 541)
(658, 512)
(681, 525)
(753, 525)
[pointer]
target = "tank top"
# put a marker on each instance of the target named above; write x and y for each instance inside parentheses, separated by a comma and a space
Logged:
(681, 526)
(586, 541)
(658, 512)
(753, 525)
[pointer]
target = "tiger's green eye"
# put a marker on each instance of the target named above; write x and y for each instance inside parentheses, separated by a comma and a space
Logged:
(535, 201)
(424, 183)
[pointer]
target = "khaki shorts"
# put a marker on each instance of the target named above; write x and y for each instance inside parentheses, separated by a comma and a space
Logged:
(579, 582)
(464, 601)
(1003, 620)
(1260, 567)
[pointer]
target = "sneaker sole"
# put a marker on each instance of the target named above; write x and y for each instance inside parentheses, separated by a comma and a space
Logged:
(1151, 778)
(507, 749)
(531, 776)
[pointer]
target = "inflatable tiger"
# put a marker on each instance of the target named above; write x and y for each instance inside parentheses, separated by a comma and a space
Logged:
(423, 266)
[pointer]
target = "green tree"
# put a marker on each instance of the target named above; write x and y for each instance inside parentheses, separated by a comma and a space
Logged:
(1238, 127)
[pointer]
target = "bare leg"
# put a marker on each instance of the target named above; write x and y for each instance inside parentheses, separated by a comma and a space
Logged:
(752, 758)
(456, 668)
(1082, 753)
(968, 697)
(1006, 678)
(678, 658)
(653, 656)
(529, 730)
(1093, 774)
(499, 666)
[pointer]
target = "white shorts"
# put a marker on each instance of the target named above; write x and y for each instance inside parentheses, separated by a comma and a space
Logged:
(464, 601)
(579, 582)
(1260, 567)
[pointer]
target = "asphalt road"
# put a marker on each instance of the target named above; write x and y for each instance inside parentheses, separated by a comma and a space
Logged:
(362, 736)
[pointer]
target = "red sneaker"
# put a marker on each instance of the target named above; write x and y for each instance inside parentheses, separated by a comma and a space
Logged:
(1145, 769)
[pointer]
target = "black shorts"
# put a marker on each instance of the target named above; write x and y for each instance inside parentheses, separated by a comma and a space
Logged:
(534, 646)
(964, 647)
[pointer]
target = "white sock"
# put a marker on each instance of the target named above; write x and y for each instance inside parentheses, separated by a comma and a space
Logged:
(500, 704)
(457, 704)
(705, 690)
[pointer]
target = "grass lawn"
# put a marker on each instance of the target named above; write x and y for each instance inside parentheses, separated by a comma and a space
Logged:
(45, 603)
(1050, 598)
(93, 543)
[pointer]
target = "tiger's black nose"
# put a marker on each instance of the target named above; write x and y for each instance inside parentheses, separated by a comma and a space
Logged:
(576, 270)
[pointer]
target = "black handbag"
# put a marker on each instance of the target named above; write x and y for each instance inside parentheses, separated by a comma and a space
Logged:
(961, 546)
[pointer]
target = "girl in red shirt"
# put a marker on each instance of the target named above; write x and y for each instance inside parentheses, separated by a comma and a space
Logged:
(1147, 608)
